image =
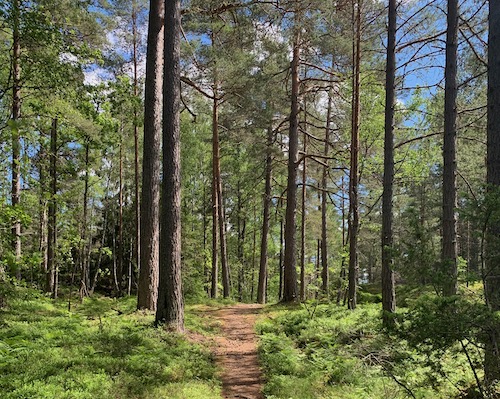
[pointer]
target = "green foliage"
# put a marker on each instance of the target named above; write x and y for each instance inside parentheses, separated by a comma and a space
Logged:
(336, 353)
(101, 349)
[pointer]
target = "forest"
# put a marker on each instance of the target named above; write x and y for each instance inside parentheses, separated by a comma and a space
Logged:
(281, 199)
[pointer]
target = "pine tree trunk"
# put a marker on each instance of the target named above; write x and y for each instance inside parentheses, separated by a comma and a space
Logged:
(136, 246)
(215, 195)
(43, 222)
(121, 249)
(170, 301)
(388, 290)
(281, 260)
(354, 172)
(492, 278)
(262, 287)
(302, 291)
(241, 227)
(82, 256)
(16, 141)
(324, 200)
(52, 215)
(449, 249)
(289, 263)
(147, 294)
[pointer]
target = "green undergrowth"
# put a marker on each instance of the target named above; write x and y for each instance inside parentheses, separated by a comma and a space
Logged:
(321, 351)
(102, 348)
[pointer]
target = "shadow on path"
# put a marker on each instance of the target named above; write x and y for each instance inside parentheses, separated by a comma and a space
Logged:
(236, 352)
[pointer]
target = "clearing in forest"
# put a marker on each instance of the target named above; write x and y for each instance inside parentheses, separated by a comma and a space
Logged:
(236, 352)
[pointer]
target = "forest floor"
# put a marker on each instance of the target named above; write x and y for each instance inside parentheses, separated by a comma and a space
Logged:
(236, 352)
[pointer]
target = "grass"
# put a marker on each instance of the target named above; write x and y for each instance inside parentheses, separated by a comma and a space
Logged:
(328, 352)
(101, 349)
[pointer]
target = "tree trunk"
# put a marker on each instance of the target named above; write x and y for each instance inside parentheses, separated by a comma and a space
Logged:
(147, 294)
(170, 301)
(241, 227)
(324, 199)
(16, 141)
(43, 223)
(136, 246)
(215, 196)
(121, 249)
(302, 292)
(354, 173)
(342, 275)
(388, 289)
(492, 278)
(262, 287)
(281, 260)
(83, 264)
(52, 214)
(218, 185)
(289, 262)
(449, 249)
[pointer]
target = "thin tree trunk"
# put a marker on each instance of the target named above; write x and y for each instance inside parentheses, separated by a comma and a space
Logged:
(52, 215)
(354, 173)
(147, 294)
(318, 263)
(43, 225)
(388, 289)
(449, 249)
(121, 249)
(16, 141)
(324, 200)
(262, 287)
(302, 292)
(240, 227)
(206, 273)
(215, 196)
(342, 276)
(136, 247)
(99, 260)
(254, 256)
(492, 278)
(289, 272)
(170, 301)
(82, 256)
(280, 264)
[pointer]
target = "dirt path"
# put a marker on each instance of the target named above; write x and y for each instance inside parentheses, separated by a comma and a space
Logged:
(236, 352)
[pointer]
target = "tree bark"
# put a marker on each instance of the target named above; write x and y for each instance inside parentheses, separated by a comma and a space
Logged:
(52, 215)
(354, 172)
(241, 227)
(324, 200)
(170, 301)
(217, 181)
(147, 294)
(262, 287)
(289, 263)
(302, 292)
(136, 246)
(388, 289)
(16, 141)
(449, 248)
(84, 284)
(121, 249)
(492, 277)
(215, 194)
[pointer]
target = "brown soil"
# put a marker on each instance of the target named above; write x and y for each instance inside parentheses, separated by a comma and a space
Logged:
(236, 352)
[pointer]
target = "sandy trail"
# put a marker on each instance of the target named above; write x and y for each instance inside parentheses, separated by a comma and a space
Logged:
(236, 352)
